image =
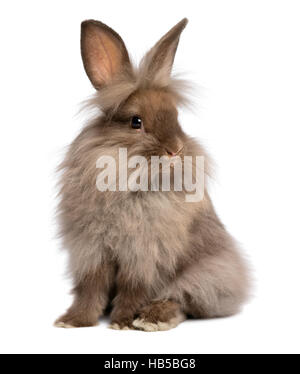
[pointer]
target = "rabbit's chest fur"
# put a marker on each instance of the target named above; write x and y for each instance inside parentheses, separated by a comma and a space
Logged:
(144, 233)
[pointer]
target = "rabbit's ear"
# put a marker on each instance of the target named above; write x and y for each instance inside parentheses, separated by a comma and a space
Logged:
(158, 62)
(103, 53)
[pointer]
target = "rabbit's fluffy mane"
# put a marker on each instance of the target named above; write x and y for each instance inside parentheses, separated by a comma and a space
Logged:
(110, 97)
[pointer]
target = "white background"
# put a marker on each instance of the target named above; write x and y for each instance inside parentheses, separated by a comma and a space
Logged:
(246, 55)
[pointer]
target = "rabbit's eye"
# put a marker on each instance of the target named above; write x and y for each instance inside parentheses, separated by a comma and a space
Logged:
(136, 122)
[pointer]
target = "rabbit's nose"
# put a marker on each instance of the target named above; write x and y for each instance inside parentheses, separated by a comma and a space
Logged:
(172, 153)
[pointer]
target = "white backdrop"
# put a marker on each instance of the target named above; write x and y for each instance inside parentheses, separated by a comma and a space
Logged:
(245, 55)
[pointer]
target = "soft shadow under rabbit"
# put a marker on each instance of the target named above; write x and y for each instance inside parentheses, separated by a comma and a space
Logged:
(152, 256)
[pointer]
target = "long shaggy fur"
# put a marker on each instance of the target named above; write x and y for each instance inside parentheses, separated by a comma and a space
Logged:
(151, 256)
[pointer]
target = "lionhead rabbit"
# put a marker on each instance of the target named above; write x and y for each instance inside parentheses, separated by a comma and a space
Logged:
(150, 257)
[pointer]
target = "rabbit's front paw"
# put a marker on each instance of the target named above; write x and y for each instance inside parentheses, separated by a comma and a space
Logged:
(69, 320)
(119, 321)
(124, 323)
(159, 316)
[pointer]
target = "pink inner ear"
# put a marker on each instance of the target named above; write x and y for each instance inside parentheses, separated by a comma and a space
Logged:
(103, 56)
(110, 57)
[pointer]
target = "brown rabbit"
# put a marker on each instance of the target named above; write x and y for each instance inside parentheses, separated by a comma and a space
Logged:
(150, 256)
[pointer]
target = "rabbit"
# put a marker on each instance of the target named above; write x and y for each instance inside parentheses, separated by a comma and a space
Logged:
(149, 258)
